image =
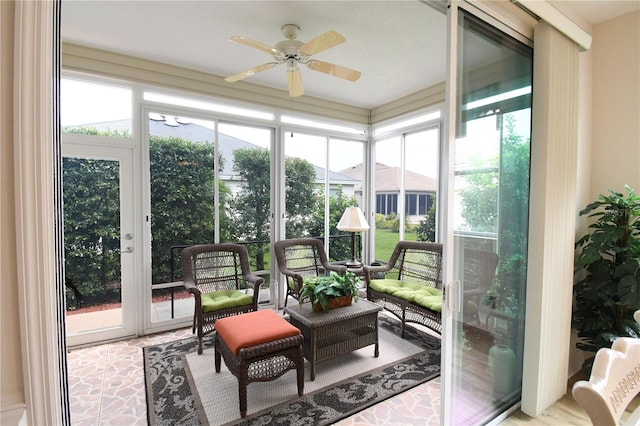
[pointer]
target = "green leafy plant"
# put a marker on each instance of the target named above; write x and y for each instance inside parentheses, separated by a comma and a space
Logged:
(609, 292)
(318, 290)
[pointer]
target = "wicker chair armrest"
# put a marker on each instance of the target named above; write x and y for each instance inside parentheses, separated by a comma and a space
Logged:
(476, 292)
(370, 271)
(341, 269)
(290, 273)
(295, 276)
(191, 287)
(256, 282)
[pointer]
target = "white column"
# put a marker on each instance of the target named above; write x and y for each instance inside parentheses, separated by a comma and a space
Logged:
(33, 164)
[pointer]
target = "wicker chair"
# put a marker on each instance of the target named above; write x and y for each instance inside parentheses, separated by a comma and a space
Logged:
(479, 273)
(302, 257)
(413, 262)
(219, 278)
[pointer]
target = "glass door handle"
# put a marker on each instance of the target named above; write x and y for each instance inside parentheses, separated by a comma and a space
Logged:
(452, 295)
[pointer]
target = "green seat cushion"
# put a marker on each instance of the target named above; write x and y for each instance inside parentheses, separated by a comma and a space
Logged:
(420, 294)
(385, 285)
(430, 291)
(224, 299)
(430, 302)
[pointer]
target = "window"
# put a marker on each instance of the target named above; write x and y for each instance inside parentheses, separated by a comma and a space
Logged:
(406, 178)
(95, 108)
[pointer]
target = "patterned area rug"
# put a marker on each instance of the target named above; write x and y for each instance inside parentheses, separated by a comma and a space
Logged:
(172, 399)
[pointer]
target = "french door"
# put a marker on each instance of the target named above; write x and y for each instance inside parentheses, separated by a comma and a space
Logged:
(488, 161)
(99, 238)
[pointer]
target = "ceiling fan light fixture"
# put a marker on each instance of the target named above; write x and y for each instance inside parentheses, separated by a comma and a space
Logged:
(292, 65)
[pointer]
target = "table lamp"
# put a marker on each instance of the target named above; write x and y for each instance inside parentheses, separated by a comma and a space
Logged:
(353, 221)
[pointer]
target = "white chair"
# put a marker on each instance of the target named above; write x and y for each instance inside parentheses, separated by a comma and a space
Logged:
(614, 382)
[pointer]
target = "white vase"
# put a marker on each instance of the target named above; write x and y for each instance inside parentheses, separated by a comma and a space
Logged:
(502, 368)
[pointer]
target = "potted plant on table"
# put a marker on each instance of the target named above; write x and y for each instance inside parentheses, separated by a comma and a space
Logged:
(609, 292)
(333, 290)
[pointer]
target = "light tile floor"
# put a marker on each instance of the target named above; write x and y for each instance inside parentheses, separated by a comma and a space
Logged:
(106, 386)
(106, 382)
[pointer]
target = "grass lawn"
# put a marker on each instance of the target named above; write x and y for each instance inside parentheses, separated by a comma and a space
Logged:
(386, 241)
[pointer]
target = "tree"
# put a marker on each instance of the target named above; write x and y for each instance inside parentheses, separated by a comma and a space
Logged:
(340, 247)
(180, 214)
(507, 188)
(480, 198)
(182, 199)
(251, 205)
(608, 292)
(513, 213)
(91, 228)
(426, 231)
(302, 198)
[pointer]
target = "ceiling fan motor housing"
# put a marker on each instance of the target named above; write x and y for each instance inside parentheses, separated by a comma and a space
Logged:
(289, 49)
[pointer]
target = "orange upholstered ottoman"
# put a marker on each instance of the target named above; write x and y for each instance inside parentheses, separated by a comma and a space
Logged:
(258, 347)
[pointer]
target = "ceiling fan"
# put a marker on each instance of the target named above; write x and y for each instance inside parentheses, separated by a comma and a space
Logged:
(294, 52)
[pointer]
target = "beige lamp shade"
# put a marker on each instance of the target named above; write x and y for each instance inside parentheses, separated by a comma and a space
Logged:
(353, 220)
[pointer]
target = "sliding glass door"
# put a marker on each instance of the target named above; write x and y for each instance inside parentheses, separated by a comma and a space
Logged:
(209, 182)
(487, 230)
(182, 199)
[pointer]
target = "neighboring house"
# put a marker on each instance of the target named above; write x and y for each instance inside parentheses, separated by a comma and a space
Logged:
(162, 126)
(419, 190)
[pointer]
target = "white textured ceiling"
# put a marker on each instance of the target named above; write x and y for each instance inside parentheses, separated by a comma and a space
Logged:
(399, 46)
(597, 11)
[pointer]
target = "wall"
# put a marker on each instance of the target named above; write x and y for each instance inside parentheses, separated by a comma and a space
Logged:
(583, 195)
(609, 120)
(615, 152)
(11, 386)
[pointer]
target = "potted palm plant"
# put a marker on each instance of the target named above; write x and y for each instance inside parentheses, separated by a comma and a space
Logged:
(608, 293)
(326, 292)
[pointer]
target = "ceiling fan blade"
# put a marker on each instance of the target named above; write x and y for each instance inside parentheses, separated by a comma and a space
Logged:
(322, 42)
(335, 70)
(250, 72)
(294, 78)
(255, 44)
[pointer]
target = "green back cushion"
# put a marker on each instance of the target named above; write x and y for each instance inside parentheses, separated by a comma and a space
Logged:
(420, 294)
(224, 299)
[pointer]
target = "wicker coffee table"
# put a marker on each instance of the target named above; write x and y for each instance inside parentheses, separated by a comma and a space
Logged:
(337, 332)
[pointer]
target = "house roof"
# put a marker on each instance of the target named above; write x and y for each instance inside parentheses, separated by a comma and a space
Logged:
(388, 179)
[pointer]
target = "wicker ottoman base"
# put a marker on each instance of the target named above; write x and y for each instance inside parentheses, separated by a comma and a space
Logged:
(261, 363)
